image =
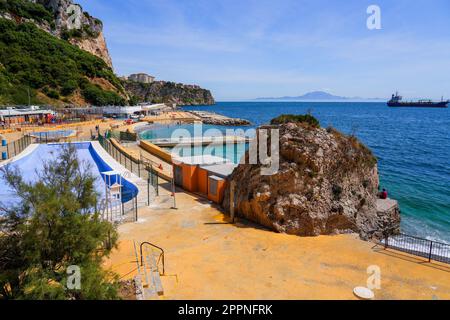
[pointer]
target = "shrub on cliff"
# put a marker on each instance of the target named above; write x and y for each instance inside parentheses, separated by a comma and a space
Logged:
(26, 9)
(33, 58)
(99, 97)
(53, 228)
(286, 118)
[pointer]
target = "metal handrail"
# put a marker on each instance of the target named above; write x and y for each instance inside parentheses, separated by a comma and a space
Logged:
(432, 250)
(161, 256)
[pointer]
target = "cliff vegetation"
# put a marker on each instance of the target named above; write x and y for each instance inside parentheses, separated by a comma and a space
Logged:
(51, 68)
(46, 58)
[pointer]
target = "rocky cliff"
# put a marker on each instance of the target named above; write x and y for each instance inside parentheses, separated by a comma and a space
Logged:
(169, 92)
(96, 46)
(64, 19)
(327, 184)
(57, 73)
(78, 27)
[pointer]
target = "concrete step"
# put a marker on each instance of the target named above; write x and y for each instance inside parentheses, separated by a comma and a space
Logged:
(155, 285)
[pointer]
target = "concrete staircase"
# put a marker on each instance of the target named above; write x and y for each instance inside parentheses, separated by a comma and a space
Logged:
(148, 281)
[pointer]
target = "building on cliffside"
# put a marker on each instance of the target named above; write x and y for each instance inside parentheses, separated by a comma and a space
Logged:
(141, 78)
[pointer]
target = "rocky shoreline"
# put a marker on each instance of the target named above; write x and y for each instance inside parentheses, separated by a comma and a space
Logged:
(170, 93)
(218, 119)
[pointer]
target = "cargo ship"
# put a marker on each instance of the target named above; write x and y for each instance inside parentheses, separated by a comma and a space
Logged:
(396, 102)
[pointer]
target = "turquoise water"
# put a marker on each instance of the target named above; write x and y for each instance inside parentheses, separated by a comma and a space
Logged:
(167, 131)
(412, 145)
(234, 153)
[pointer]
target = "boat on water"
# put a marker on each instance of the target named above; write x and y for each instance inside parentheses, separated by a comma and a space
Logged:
(396, 102)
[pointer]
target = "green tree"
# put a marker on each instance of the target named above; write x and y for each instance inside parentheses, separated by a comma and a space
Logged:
(55, 226)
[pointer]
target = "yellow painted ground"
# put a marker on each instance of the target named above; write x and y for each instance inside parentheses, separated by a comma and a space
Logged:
(209, 259)
(83, 129)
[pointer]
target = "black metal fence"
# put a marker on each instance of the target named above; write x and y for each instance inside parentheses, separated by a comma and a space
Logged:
(123, 135)
(146, 169)
(15, 147)
(431, 250)
(127, 136)
(143, 168)
(54, 136)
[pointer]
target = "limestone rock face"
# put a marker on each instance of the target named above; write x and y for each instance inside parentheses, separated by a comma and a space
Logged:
(327, 183)
(70, 16)
(96, 46)
(169, 92)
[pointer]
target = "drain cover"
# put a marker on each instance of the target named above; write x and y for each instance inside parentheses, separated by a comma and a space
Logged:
(364, 293)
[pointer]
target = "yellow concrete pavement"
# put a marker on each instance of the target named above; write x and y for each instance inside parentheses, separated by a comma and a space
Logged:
(207, 258)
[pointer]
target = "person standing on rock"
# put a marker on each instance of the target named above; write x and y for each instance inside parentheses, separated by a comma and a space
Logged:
(383, 194)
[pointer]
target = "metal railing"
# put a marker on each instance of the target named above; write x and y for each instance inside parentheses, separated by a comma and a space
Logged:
(16, 147)
(147, 170)
(160, 258)
(431, 250)
(53, 136)
(144, 168)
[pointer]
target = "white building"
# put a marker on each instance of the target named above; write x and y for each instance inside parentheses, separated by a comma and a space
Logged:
(127, 112)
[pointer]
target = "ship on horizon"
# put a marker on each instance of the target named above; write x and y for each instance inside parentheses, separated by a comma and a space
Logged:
(396, 102)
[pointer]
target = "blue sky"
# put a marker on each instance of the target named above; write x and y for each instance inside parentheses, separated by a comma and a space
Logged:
(260, 48)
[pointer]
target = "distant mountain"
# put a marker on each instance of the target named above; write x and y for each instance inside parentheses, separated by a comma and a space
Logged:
(318, 96)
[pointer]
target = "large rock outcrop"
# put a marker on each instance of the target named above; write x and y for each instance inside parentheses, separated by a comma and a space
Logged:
(96, 46)
(76, 26)
(169, 92)
(327, 183)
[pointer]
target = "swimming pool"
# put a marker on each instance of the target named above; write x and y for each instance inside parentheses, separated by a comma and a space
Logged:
(31, 164)
(173, 132)
(167, 131)
(232, 152)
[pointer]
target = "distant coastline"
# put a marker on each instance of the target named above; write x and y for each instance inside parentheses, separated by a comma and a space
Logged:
(322, 101)
(321, 96)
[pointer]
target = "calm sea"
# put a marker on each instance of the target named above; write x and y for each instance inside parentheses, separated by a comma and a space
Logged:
(412, 145)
